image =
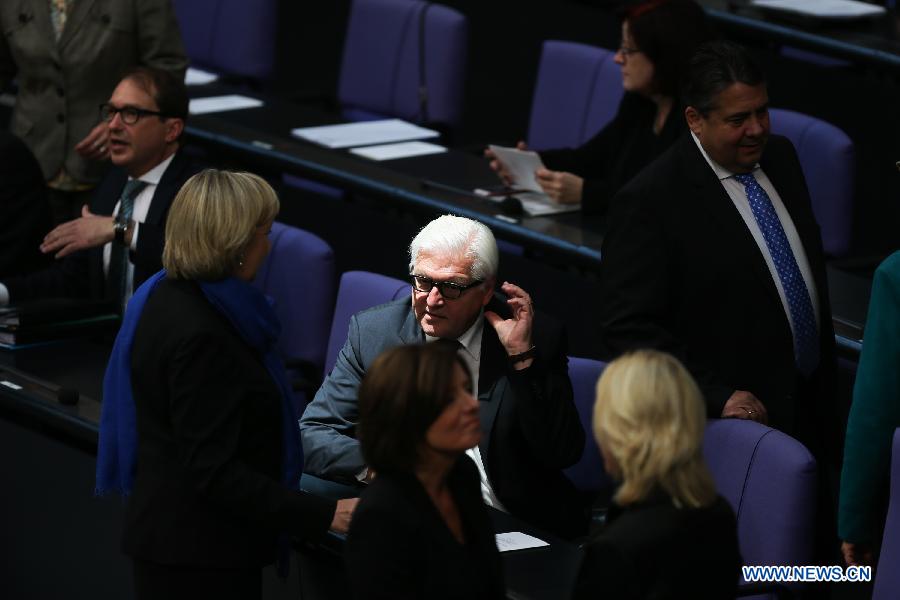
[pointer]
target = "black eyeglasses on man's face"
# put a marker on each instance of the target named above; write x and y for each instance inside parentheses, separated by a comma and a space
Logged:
(129, 114)
(447, 289)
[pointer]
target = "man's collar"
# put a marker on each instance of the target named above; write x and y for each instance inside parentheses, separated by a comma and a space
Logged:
(471, 337)
(154, 175)
(720, 171)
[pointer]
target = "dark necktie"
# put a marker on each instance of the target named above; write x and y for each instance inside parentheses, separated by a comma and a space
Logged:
(806, 333)
(116, 279)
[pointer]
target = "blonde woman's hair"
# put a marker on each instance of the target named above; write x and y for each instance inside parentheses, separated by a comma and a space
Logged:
(650, 417)
(212, 221)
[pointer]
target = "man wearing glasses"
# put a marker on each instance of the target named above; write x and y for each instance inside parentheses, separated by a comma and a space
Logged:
(530, 427)
(117, 242)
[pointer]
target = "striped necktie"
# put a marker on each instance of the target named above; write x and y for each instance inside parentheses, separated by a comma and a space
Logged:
(116, 279)
(806, 333)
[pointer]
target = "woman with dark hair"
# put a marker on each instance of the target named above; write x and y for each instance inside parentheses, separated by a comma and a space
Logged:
(421, 529)
(199, 427)
(658, 39)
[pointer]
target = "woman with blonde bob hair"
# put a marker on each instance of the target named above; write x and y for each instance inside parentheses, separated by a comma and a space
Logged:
(199, 427)
(668, 534)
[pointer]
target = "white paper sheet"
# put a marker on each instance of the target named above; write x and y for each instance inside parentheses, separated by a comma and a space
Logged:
(536, 204)
(826, 9)
(198, 77)
(516, 540)
(398, 150)
(521, 165)
(365, 133)
(200, 106)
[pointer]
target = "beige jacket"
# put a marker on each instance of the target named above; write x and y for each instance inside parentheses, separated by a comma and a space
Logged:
(61, 84)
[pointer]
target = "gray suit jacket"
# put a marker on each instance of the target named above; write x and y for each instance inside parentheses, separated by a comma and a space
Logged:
(61, 84)
(530, 423)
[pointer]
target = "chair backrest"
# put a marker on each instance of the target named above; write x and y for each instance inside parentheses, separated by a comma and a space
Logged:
(299, 274)
(887, 582)
(232, 37)
(588, 473)
(381, 72)
(769, 478)
(357, 291)
(827, 158)
(578, 91)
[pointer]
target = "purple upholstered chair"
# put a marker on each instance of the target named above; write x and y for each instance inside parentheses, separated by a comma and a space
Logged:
(382, 70)
(357, 291)
(588, 473)
(887, 580)
(231, 37)
(577, 92)
(827, 158)
(299, 274)
(769, 478)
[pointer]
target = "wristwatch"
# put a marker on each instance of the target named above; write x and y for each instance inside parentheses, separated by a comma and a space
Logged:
(514, 358)
(120, 229)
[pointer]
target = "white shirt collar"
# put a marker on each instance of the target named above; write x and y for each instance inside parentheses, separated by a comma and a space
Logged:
(154, 175)
(720, 171)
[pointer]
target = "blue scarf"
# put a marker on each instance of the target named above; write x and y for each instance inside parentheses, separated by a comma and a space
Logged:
(251, 314)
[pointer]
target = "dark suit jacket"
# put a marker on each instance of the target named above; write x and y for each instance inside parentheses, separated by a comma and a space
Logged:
(207, 489)
(24, 214)
(654, 550)
(80, 275)
(617, 152)
(682, 273)
(400, 548)
(530, 424)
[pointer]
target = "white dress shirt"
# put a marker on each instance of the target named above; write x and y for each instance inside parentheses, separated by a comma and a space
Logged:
(738, 194)
(470, 351)
(138, 215)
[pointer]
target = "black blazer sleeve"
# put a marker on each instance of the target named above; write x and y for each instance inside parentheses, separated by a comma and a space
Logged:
(207, 419)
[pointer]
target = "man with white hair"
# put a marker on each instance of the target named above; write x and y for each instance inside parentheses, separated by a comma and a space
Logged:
(530, 427)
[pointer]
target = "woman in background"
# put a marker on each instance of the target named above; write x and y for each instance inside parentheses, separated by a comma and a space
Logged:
(668, 534)
(658, 39)
(421, 529)
(199, 427)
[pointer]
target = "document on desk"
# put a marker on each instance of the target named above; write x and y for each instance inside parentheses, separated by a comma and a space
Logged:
(398, 150)
(195, 76)
(538, 204)
(823, 9)
(365, 133)
(516, 540)
(201, 106)
(521, 165)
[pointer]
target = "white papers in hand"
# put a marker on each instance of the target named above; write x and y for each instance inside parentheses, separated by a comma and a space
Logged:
(198, 77)
(825, 9)
(200, 106)
(398, 150)
(516, 540)
(365, 133)
(521, 165)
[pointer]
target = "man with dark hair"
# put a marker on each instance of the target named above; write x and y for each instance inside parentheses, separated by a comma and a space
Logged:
(117, 242)
(713, 254)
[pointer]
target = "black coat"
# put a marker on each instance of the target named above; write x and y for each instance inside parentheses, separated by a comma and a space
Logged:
(617, 152)
(207, 489)
(399, 546)
(24, 213)
(652, 550)
(682, 273)
(80, 275)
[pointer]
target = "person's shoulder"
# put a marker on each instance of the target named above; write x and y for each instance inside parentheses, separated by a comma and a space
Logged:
(387, 500)
(890, 267)
(181, 310)
(383, 314)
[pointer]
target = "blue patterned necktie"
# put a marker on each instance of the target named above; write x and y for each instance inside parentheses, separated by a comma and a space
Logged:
(118, 257)
(806, 333)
